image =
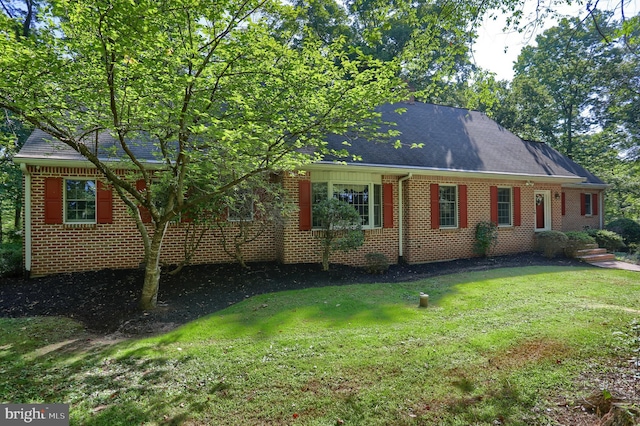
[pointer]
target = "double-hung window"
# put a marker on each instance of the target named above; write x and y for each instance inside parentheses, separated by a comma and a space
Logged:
(504, 207)
(588, 204)
(448, 206)
(79, 201)
(365, 198)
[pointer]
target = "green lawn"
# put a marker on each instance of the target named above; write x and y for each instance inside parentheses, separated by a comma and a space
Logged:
(500, 345)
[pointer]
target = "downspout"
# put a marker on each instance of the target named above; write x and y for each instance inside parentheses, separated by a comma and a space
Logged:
(27, 219)
(601, 209)
(401, 216)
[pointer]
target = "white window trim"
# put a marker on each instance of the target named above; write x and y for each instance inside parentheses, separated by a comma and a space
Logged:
(588, 213)
(456, 204)
(510, 225)
(64, 202)
(372, 220)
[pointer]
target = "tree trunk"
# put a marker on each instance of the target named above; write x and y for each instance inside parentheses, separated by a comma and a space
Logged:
(149, 297)
(326, 252)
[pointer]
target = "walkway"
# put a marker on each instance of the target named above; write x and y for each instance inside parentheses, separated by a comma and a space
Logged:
(616, 264)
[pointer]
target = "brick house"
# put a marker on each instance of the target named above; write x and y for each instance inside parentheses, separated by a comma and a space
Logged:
(417, 205)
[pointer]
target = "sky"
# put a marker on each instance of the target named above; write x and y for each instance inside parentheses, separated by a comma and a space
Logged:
(497, 50)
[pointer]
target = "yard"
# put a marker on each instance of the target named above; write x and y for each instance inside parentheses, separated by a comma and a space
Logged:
(525, 345)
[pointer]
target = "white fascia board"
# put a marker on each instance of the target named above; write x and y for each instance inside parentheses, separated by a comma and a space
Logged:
(420, 171)
(60, 162)
(586, 185)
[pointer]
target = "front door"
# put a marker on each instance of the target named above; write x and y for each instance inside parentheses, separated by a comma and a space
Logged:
(543, 211)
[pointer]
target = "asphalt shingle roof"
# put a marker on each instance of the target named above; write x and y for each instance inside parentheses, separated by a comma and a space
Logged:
(40, 145)
(454, 139)
(459, 140)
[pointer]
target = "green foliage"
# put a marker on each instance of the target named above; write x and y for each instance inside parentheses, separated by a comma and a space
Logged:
(340, 225)
(628, 229)
(550, 243)
(577, 240)
(376, 263)
(224, 95)
(10, 259)
(607, 239)
(486, 238)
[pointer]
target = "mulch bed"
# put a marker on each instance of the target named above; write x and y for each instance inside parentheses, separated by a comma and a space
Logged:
(106, 301)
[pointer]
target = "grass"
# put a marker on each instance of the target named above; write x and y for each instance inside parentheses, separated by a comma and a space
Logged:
(495, 346)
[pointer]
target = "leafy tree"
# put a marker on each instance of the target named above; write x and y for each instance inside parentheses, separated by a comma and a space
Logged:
(251, 210)
(557, 82)
(23, 13)
(205, 82)
(340, 225)
(13, 134)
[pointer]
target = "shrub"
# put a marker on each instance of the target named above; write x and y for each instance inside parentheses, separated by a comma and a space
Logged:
(551, 243)
(628, 229)
(341, 228)
(376, 263)
(577, 240)
(607, 239)
(486, 238)
(10, 260)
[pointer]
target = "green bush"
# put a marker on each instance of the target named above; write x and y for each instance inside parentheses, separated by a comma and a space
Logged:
(628, 229)
(341, 228)
(551, 243)
(577, 240)
(607, 239)
(486, 238)
(10, 259)
(376, 263)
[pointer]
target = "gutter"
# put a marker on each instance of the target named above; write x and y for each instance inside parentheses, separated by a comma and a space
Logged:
(401, 216)
(60, 162)
(27, 219)
(433, 171)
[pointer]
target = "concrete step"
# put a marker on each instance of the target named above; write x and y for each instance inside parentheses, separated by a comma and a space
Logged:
(594, 258)
(591, 246)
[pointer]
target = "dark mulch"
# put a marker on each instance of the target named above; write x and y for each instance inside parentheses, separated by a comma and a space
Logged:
(106, 301)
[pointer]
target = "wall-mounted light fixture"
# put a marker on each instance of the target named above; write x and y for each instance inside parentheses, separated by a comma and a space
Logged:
(557, 195)
(529, 183)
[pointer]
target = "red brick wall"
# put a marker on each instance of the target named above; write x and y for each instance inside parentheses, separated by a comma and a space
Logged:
(573, 220)
(66, 248)
(303, 246)
(81, 247)
(423, 244)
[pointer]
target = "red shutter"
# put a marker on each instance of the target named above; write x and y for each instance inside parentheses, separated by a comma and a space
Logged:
(435, 206)
(52, 200)
(104, 204)
(594, 204)
(517, 212)
(583, 205)
(304, 203)
(493, 200)
(387, 202)
(141, 186)
(564, 204)
(462, 202)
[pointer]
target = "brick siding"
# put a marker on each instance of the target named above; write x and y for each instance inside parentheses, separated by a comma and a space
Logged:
(66, 248)
(573, 220)
(81, 247)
